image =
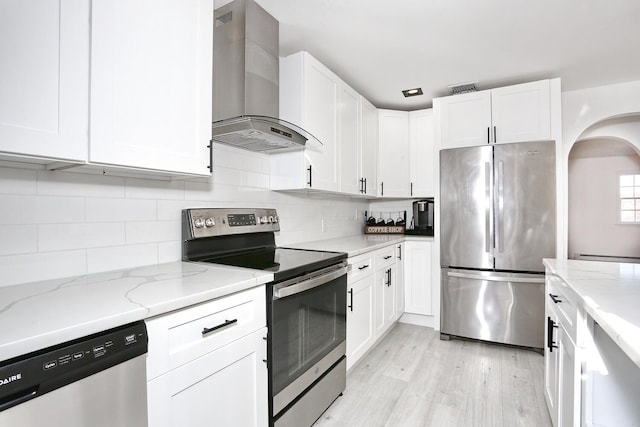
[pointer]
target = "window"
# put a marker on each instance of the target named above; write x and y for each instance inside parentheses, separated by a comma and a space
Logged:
(630, 198)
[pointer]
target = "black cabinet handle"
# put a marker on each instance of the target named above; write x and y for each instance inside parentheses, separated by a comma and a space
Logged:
(488, 135)
(494, 134)
(400, 252)
(361, 185)
(363, 267)
(309, 182)
(387, 257)
(551, 344)
(350, 306)
(365, 186)
(411, 190)
(226, 323)
(389, 276)
(555, 298)
(210, 147)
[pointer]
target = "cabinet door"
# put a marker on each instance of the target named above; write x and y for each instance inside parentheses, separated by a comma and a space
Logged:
(422, 154)
(521, 112)
(568, 381)
(44, 79)
(360, 322)
(227, 387)
(551, 363)
(368, 148)
(350, 125)
(465, 119)
(320, 117)
(393, 154)
(399, 284)
(151, 65)
(417, 259)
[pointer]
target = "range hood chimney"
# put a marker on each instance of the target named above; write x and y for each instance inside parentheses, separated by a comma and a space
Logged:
(246, 76)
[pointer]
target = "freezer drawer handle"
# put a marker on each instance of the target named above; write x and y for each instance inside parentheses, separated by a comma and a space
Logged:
(555, 298)
(496, 278)
(226, 323)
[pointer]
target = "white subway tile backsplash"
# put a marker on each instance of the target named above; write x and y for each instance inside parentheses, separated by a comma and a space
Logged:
(57, 237)
(154, 189)
(58, 183)
(41, 266)
(119, 257)
(154, 231)
(17, 239)
(17, 181)
(169, 251)
(112, 210)
(228, 176)
(51, 210)
(18, 209)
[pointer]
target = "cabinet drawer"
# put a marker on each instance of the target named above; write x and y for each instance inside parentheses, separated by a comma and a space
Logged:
(563, 299)
(184, 335)
(385, 257)
(360, 266)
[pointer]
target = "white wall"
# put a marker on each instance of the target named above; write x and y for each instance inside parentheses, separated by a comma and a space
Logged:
(594, 202)
(59, 224)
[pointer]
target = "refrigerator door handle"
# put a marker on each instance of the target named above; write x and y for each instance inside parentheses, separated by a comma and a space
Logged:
(487, 188)
(496, 278)
(500, 222)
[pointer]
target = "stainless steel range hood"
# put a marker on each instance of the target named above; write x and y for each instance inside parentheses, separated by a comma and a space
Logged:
(245, 82)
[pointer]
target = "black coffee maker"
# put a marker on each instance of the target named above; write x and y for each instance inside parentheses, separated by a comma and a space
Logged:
(423, 217)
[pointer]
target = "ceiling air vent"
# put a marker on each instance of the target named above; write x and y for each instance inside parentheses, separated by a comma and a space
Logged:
(460, 88)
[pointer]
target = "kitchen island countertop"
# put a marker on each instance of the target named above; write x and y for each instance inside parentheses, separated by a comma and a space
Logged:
(358, 244)
(610, 294)
(37, 315)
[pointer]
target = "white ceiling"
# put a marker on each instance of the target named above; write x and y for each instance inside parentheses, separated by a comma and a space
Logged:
(381, 47)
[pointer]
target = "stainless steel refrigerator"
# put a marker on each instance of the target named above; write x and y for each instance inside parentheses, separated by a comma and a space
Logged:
(497, 222)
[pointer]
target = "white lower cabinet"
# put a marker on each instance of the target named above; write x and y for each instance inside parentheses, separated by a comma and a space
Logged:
(227, 387)
(206, 363)
(418, 289)
(360, 314)
(562, 362)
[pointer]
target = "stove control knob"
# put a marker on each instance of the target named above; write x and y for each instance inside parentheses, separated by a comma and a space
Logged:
(199, 222)
(209, 222)
(271, 220)
(263, 220)
(275, 219)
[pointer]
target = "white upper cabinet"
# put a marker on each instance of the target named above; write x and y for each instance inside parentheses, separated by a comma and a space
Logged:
(509, 114)
(421, 154)
(350, 141)
(309, 94)
(368, 147)
(406, 154)
(393, 154)
(44, 79)
(151, 65)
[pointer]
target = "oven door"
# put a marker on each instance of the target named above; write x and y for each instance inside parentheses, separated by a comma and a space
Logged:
(307, 331)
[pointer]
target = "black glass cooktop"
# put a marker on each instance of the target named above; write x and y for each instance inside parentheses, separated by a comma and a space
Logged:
(285, 263)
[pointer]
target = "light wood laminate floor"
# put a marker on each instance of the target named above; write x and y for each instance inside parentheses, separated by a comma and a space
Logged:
(412, 378)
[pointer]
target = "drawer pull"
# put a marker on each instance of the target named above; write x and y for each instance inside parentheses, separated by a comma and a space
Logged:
(226, 323)
(388, 256)
(555, 298)
(363, 267)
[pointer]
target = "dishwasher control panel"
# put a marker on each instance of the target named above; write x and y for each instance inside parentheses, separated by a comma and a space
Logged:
(31, 375)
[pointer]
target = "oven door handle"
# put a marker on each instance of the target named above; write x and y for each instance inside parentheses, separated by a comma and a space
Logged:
(307, 283)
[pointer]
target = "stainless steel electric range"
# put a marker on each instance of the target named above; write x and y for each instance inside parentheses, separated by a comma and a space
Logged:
(306, 306)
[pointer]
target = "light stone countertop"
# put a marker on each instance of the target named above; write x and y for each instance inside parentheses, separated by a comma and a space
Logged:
(37, 315)
(358, 244)
(610, 294)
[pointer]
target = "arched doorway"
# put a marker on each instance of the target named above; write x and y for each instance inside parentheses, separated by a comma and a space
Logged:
(603, 202)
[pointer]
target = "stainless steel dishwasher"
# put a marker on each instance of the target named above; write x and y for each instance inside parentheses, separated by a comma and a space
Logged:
(98, 380)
